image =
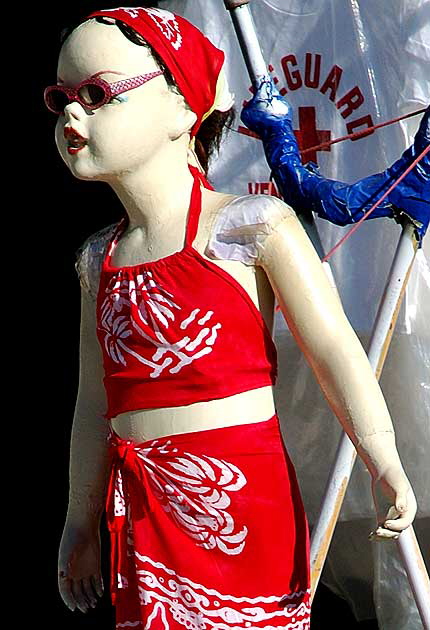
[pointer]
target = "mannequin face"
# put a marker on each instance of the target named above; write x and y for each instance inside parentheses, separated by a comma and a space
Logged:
(136, 126)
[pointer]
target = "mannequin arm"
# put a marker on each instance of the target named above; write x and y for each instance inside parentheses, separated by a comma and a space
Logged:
(316, 319)
(79, 570)
(89, 461)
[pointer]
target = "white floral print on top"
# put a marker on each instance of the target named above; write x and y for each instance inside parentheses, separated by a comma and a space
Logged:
(156, 310)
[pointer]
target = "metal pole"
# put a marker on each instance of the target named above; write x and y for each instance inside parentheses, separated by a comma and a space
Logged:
(416, 572)
(380, 341)
(247, 36)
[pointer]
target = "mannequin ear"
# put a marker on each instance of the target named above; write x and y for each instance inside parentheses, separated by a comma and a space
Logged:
(183, 118)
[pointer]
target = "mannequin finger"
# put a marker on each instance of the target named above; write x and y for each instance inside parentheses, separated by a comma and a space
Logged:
(88, 590)
(401, 516)
(393, 513)
(80, 598)
(381, 534)
(98, 585)
(65, 588)
(401, 523)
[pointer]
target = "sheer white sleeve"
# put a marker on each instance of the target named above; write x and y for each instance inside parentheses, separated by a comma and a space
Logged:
(244, 224)
(89, 259)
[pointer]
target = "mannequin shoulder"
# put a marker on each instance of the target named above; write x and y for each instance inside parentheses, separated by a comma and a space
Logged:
(89, 259)
(243, 223)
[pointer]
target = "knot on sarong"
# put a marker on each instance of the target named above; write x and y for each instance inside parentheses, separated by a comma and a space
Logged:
(128, 485)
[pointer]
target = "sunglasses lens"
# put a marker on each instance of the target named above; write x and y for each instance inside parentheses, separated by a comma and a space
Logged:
(56, 100)
(92, 94)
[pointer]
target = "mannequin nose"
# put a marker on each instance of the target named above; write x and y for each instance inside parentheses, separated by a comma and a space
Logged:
(74, 110)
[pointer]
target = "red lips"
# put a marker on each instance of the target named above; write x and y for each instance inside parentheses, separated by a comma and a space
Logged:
(75, 142)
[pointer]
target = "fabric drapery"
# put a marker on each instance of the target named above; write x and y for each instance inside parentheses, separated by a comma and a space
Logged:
(208, 531)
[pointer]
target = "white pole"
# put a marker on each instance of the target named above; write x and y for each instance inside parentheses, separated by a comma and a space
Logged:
(392, 297)
(334, 494)
(247, 36)
(416, 572)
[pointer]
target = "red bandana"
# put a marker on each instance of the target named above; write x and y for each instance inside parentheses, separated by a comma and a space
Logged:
(194, 62)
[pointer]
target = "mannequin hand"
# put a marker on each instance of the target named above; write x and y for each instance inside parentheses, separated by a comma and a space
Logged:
(394, 502)
(79, 573)
(267, 109)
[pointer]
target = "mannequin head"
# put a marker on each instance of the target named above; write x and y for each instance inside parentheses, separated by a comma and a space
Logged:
(137, 125)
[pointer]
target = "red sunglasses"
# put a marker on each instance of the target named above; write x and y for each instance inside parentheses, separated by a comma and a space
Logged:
(91, 93)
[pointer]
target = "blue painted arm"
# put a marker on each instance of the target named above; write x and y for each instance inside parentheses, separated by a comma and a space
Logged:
(304, 188)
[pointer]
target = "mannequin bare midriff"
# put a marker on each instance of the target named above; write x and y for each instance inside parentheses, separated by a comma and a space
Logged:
(246, 407)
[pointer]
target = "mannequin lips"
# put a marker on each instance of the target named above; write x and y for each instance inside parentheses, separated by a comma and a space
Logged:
(75, 142)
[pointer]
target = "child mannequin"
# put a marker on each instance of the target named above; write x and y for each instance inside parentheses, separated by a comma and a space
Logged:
(139, 143)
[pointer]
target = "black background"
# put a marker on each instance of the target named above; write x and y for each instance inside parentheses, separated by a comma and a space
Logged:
(51, 214)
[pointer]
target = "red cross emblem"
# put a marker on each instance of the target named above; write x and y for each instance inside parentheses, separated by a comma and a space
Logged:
(307, 134)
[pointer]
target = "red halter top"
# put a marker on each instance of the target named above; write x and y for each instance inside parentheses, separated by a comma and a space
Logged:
(178, 330)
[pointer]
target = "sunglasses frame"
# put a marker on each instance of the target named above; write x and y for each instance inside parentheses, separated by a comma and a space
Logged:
(110, 90)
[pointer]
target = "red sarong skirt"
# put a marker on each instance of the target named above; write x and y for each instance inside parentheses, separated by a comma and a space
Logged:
(208, 532)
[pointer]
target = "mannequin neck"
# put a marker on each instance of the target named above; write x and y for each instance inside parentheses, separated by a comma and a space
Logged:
(158, 193)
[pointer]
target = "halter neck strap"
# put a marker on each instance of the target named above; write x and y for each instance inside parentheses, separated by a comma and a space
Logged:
(193, 216)
(195, 204)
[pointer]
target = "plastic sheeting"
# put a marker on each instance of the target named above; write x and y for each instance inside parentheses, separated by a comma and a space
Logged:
(342, 62)
(243, 225)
